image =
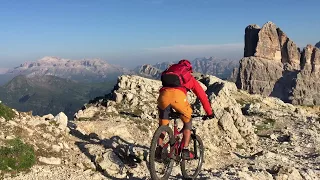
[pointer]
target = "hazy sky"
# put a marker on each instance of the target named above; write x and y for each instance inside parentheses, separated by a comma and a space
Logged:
(131, 32)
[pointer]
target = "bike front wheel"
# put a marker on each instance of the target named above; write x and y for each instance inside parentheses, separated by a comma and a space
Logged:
(191, 168)
(160, 166)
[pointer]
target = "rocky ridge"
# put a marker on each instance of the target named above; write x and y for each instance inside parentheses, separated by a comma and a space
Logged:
(57, 157)
(221, 68)
(252, 137)
(273, 65)
(136, 96)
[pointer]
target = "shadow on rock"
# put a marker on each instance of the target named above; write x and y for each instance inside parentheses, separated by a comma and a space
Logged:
(114, 154)
(251, 157)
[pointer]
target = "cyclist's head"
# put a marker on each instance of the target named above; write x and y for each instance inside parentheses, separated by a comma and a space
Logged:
(186, 63)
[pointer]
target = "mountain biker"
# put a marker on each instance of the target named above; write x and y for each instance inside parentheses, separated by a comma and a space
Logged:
(177, 80)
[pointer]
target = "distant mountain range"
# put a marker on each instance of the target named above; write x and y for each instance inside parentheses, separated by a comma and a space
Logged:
(97, 70)
(222, 68)
(52, 84)
(92, 70)
(50, 94)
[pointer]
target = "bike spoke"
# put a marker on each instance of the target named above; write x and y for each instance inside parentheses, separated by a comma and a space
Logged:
(192, 167)
(161, 164)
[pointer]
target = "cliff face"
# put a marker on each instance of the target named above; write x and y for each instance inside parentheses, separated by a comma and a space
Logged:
(307, 86)
(274, 66)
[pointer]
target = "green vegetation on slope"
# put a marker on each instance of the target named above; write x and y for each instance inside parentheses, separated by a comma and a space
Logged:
(50, 94)
(16, 156)
(6, 112)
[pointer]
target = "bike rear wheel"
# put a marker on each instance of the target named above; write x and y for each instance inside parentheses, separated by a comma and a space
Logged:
(191, 168)
(165, 159)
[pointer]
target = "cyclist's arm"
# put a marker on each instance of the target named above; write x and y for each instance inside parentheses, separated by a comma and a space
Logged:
(201, 94)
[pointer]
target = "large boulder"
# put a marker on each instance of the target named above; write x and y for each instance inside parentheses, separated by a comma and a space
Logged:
(228, 111)
(62, 120)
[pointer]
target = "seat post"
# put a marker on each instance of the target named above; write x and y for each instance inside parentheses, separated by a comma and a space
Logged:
(175, 123)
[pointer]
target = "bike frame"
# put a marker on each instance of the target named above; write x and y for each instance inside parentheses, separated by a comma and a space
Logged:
(177, 147)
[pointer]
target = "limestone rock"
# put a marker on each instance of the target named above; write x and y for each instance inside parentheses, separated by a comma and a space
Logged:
(37, 121)
(274, 66)
(51, 160)
(288, 173)
(56, 148)
(111, 163)
(268, 45)
(251, 40)
(227, 111)
(10, 137)
(258, 75)
(62, 120)
(306, 90)
(2, 120)
(287, 149)
(289, 50)
(118, 97)
(48, 117)
(87, 113)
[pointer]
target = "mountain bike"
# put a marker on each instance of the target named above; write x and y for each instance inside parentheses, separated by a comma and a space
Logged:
(171, 152)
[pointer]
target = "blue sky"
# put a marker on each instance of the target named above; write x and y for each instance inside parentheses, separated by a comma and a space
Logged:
(131, 32)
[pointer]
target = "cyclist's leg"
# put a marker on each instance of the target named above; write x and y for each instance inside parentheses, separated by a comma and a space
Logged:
(162, 136)
(164, 109)
(182, 105)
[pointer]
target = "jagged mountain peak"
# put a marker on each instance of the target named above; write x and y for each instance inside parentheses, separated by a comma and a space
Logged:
(273, 65)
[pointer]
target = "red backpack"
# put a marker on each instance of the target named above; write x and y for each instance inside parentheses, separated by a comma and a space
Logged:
(177, 75)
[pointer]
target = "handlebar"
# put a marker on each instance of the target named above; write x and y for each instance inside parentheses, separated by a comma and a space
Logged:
(176, 115)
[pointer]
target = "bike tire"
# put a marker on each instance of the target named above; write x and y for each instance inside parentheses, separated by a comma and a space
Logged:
(196, 139)
(153, 147)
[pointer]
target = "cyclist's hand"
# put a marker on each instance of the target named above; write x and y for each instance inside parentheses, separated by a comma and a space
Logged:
(208, 117)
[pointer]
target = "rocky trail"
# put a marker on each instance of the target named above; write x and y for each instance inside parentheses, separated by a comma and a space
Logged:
(252, 136)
